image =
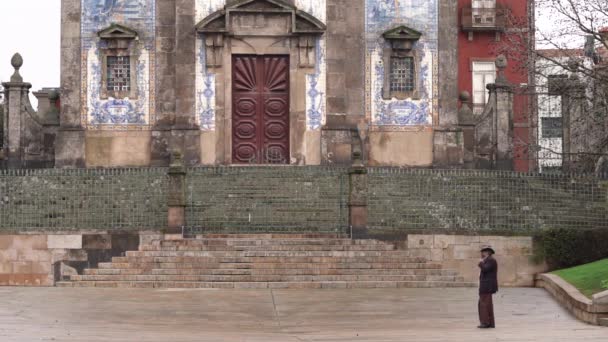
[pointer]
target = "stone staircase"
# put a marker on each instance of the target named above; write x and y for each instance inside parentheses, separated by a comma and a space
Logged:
(267, 261)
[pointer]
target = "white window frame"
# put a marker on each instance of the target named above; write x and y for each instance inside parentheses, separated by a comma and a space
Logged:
(483, 73)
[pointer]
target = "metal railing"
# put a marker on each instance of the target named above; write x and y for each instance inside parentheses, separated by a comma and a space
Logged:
(484, 19)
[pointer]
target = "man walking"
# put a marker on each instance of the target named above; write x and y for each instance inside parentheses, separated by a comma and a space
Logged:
(488, 286)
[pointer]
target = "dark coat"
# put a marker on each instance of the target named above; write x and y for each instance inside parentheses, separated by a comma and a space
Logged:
(488, 278)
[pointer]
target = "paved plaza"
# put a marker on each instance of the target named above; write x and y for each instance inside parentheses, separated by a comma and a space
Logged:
(56, 314)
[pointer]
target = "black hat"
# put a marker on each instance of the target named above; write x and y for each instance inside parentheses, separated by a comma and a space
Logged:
(487, 248)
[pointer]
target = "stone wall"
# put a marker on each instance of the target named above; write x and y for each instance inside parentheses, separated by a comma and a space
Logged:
(41, 259)
(514, 255)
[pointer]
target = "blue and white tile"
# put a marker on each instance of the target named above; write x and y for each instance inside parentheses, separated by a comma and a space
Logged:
(382, 15)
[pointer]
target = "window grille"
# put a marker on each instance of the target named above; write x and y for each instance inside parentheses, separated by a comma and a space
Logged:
(552, 127)
(402, 74)
(119, 73)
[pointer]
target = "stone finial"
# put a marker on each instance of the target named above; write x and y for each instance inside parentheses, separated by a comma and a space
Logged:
(17, 63)
(501, 65)
(465, 114)
(54, 95)
(574, 66)
(464, 97)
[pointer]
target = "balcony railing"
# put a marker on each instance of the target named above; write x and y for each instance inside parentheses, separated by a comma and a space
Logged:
(484, 19)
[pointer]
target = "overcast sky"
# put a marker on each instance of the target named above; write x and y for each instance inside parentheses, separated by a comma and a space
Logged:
(32, 28)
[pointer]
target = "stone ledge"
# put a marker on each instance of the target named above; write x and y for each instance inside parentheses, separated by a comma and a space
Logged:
(601, 298)
(572, 299)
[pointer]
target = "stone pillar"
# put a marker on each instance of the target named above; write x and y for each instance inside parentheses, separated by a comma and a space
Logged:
(503, 118)
(357, 197)
(70, 143)
(16, 91)
(573, 109)
(177, 195)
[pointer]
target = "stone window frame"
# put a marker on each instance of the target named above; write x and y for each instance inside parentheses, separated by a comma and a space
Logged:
(401, 41)
(118, 41)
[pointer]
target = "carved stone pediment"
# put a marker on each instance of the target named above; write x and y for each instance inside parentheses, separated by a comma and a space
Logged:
(249, 11)
(117, 31)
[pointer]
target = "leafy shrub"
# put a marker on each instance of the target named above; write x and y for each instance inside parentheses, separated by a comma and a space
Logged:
(563, 247)
(605, 284)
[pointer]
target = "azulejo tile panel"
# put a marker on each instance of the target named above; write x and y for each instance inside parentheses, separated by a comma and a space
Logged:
(315, 92)
(115, 113)
(380, 16)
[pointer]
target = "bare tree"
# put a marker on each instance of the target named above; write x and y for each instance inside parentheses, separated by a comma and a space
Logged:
(568, 58)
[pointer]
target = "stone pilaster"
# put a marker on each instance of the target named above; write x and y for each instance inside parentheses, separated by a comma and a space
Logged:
(448, 62)
(70, 142)
(165, 82)
(185, 134)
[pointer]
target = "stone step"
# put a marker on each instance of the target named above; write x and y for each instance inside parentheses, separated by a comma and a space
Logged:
(273, 236)
(252, 254)
(303, 259)
(269, 285)
(295, 248)
(266, 265)
(195, 271)
(272, 242)
(603, 322)
(262, 278)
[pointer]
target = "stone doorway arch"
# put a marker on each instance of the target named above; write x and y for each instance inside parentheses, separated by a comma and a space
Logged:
(261, 28)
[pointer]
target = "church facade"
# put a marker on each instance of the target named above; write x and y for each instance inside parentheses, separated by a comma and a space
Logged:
(232, 82)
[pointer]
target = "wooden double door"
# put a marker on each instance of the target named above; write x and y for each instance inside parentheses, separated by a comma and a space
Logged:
(260, 109)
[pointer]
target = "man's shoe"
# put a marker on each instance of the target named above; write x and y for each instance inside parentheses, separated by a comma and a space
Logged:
(485, 326)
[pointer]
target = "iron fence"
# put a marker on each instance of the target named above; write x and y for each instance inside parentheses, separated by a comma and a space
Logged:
(484, 200)
(256, 199)
(48, 199)
(267, 199)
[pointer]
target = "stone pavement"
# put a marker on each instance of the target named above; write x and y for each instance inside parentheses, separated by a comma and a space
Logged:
(379, 315)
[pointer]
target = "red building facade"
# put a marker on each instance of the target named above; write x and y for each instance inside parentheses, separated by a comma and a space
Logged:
(489, 28)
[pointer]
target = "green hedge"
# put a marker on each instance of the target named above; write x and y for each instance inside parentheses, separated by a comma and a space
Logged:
(562, 247)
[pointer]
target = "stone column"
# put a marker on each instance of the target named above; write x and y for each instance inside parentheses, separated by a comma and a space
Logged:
(70, 142)
(177, 195)
(357, 197)
(16, 91)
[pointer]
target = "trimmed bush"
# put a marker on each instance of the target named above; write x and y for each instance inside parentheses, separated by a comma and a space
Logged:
(562, 247)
